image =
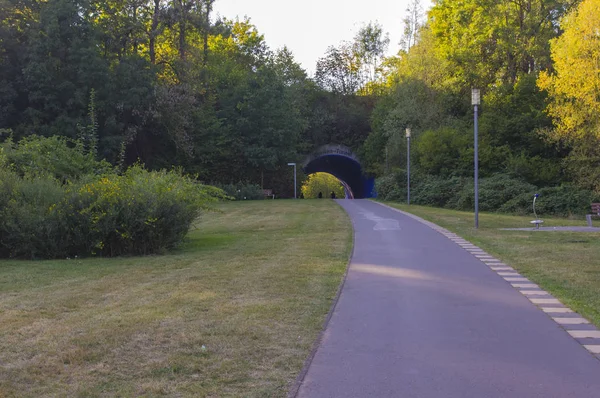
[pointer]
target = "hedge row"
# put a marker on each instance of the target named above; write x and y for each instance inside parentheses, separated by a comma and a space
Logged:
(498, 193)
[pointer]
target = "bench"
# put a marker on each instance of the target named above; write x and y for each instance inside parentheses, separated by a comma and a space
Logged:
(268, 193)
(595, 212)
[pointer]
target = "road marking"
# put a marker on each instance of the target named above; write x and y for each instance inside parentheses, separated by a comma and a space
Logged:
(556, 310)
(491, 260)
(570, 321)
(594, 349)
(544, 300)
(585, 334)
(502, 268)
(509, 274)
(520, 279)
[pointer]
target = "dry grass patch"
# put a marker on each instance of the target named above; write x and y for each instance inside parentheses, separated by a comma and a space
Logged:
(567, 264)
(252, 285)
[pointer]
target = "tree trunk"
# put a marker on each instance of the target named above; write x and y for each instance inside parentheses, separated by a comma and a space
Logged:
(206, 31)
(133, 31)
(154, 32)
(182, 28)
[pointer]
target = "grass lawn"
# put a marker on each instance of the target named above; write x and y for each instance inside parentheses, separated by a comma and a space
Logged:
(252, 285)
(567, 264)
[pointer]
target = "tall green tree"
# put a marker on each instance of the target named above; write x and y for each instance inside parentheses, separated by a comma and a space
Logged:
(491, 42)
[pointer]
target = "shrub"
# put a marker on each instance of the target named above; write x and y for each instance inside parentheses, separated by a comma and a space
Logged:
(28, 228)
(498, 193)
(323, 183)
(494, 192)
(57, 156)
(434, 190)
(566, 200)
(139, 212)
(243, 191)
(391, 187)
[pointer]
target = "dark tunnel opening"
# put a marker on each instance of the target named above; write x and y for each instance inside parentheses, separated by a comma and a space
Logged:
(346, 169)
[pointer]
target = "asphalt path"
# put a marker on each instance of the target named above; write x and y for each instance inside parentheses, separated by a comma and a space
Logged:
(421, 317)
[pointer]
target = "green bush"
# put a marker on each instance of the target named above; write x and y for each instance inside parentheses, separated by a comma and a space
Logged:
(57, 156)
(494, 192)
(566, 200)
(28, 227)
(324, 184)
(243, 191)
(139, 212)
(498, 193)
(391, 187)
(434, 190)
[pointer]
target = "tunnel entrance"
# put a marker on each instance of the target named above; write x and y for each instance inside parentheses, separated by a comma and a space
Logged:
(342, 163)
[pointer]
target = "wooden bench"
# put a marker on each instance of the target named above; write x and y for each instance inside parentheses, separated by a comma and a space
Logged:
(268, 193)
(595, 212)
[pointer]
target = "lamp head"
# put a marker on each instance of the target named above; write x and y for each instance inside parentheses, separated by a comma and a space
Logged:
(475, 96)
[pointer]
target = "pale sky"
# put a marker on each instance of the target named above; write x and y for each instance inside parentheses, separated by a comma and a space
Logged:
(308, 27)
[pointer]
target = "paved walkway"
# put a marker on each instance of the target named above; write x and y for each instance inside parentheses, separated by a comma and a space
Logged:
(420, 316)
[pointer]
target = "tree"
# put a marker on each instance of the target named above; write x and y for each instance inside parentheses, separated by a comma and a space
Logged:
(574, 92)
(370, 45)
(413, 22)
(490, 42)
(574, 89)
(339, 70)
(61, 67)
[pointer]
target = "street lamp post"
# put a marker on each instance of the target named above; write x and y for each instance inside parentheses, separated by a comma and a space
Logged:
(294, 164)
(408, 165)
(475, 101)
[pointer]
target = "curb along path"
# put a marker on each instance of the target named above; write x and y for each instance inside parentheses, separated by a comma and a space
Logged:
(424, 313)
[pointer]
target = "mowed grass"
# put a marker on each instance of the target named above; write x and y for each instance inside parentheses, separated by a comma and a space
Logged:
(252, 285)
(567, 264)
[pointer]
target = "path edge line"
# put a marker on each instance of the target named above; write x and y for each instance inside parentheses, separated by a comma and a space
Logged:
(293, 392)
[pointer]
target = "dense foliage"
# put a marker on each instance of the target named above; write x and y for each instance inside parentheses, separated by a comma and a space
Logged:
(324, 184)
(497, 193)
(165, 83)
(91, 210)
(536, 63)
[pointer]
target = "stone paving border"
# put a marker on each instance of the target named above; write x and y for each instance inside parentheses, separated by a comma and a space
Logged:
(574, 324)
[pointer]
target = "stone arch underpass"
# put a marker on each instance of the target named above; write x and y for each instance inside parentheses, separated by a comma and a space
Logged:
(342, 163)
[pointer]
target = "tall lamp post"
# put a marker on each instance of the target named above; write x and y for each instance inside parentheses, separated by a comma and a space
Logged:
(294, 164)
(408, 165)
(475, 101)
